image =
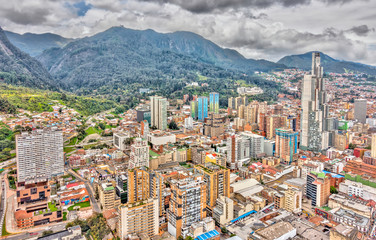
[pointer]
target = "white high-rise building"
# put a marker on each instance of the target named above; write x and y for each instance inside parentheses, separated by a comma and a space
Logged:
(40, 155)
(314, 135)
(158, 112)
(139, 154)
(360, 110)
(256, 143)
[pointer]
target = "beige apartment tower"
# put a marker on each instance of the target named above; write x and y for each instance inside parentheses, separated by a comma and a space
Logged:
(158, 107)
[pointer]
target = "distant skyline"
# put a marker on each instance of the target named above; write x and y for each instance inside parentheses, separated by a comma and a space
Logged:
(267, 29)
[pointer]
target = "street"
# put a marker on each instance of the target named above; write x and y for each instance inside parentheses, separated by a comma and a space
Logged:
(95, 204)
(33, 233)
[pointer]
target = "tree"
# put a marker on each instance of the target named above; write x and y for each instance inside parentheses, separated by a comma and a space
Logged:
(352, 146)
(180, 238)
(333, 190)
(172, 125)
(224, 230)
(102, 125)
(46, 233)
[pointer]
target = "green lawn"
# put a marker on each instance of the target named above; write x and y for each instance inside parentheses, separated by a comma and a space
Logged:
(92, 130)
(75, 169)
(4, 229)
(81, 205)
(69, 149)
(64, 216)
(52, 207)
(73, 141)
(68, 176)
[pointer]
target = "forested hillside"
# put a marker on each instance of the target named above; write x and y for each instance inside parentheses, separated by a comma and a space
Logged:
(18, 68)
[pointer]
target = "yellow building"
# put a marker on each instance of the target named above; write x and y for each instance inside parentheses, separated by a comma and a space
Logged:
(139, 217)
(293, 200)
(217, 180)
(107, 196)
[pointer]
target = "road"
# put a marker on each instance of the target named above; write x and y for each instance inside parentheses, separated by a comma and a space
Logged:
(8, 162)
(95, 204)
(57, 227)
(3, 197)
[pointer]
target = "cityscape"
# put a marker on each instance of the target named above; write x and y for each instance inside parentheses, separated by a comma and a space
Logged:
(132, 134)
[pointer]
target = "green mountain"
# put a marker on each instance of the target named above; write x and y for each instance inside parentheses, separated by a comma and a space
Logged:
(35, 44)
(18, 68)
(122, 56)
(304, 61)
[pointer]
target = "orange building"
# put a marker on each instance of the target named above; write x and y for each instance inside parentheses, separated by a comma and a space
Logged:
(360, 168)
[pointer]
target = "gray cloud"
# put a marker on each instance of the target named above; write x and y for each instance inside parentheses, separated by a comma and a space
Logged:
(203, 6)
(25, 17)
(362, 30)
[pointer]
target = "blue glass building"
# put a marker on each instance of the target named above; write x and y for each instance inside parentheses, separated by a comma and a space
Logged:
(214, 102)
(202, 108)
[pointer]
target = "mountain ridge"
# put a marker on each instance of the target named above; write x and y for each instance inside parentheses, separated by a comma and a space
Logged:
(303, 61)
(18, 68)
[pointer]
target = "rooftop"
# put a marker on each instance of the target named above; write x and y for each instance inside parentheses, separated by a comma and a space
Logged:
(275, 231)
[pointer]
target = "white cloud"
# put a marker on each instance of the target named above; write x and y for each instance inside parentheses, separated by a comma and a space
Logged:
(267, 32)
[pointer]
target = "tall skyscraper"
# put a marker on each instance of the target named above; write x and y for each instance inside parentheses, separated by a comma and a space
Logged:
(40, 155)
(202, 105)
(314, 109)
(194, 109)
(214, 102)
(158, 112)
(139, 156)
(360, 110)
(187, 204)
(286, 144)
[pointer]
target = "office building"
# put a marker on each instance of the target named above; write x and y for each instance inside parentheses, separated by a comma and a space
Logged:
(238, 102)
(188, 123)
(39, 156)
(187, 204)
(213, 126)
(144, 129)
(194, 109)
(217, 179)
(143, 113)
(318, 189)
(158, 112)
(139, 156)
(314, 109)
(286, 144)
(223, 212)
(202, 106)
(119, 140)
(256, 144)
(238, 151)
(122, 187)
(293, 200)
(214, 102)
(108, 197)
(360, 110)
(138, 217)
(32, 199)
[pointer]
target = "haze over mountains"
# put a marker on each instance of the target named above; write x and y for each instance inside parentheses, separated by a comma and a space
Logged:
(121, 56)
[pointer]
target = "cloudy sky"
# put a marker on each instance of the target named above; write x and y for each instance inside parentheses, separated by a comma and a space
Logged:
(269, 29)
